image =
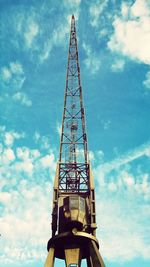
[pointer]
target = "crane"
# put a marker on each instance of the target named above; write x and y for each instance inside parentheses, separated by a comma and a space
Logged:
(73, 211)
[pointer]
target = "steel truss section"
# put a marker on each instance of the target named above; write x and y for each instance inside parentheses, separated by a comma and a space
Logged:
(73, 177)
(73, 145)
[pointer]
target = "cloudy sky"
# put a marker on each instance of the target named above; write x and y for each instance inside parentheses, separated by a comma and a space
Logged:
(114, 52)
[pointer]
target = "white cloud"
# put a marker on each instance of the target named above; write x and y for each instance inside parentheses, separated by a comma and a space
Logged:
(125, 9)
(46, 50)
(13, 74)
(23, 99)
(128, 179)
(147, 80)
(141, 151)
(72, 7)
(27, 155)
(23, 172)
(112, 186)
(5, 198)
(133, 24)
(122, 234)
(36, 136)
(8, 156)
(106, 124)
(25, 167)
(48, 161)
(56, 38)
(72, 3)
(103, 32)
(140, 8)
(23, 153)
(35, 153)
(23, 209)
(95, 11)
(92, 62)
(91, 156)
(100, 155)
(59, 127)
(123, 220)
(44, 143)
(6, 74)
(123, 225)
(118, 65)
(9, 137)
(116, 175)
(31, 32)
(16, 68)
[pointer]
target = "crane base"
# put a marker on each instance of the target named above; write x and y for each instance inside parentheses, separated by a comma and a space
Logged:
(73, 247)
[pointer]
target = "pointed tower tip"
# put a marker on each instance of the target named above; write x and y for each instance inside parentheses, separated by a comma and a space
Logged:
(73, 16)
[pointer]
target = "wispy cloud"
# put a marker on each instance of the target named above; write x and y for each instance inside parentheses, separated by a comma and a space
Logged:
(23, 99)
(118, 174)
(31, 33)
(105, 124)
(57, 37)
(96, 8)
(146, 82)
(72, 7)
(9, 137)
(92, 62)
(123, 222)
(6, 74)
(118, 65)
(16, 68)
(58, 128)
(141, 151)
(14, 74)
(13, 77)
(123, 227)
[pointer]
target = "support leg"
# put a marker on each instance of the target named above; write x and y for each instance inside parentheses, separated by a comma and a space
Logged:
(73, 256)
(97, 260)
(89, 262)
(50, 258)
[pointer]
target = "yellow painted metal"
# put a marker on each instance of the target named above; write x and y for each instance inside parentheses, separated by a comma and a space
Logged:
(72, 256)
(50, 258)
(55, 202)
(73, 247)
(97, 260)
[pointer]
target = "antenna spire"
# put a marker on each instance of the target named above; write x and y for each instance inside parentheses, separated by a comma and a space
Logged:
(73, 145)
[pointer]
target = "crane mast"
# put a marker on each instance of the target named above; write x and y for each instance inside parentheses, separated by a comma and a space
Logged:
(73, 212)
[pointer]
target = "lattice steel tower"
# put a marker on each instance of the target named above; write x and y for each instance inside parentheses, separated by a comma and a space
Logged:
(73, 213)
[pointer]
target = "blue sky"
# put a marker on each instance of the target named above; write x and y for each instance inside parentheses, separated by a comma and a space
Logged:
(113, 42)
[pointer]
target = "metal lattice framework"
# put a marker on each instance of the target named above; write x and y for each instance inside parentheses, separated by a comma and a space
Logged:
(73, 212)
(73, 159)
